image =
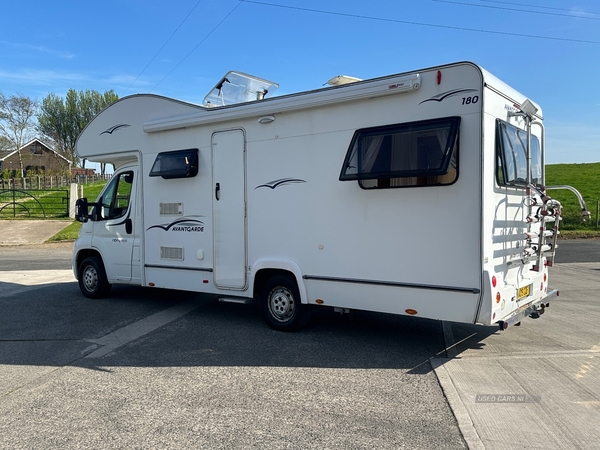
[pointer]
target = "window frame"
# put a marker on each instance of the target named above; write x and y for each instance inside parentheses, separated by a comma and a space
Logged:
(501, 168)
(450, 152)
(106, 207)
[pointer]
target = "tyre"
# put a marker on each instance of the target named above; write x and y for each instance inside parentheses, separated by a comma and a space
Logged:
(92, 278)
(281, 304)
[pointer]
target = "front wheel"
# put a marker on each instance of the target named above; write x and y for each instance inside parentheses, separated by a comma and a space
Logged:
(92, 278)
(281, 304)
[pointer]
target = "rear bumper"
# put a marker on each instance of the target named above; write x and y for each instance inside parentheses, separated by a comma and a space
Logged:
(534, 309)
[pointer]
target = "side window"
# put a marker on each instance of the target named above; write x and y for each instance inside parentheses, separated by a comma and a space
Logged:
(511, 156)
(412, 154)
(176, 164)
(116, 197)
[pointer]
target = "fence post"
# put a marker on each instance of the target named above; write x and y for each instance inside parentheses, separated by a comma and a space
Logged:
(597, 208)
(72, 199)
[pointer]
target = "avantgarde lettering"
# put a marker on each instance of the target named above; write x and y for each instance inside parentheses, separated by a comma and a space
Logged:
(189, 229)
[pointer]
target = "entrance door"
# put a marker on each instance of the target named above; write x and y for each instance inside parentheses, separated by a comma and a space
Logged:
(229, 209)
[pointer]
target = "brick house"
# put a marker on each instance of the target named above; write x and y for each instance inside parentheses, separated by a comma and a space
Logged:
(37, 156)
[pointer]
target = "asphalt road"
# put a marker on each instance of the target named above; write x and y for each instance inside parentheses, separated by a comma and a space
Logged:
(578, 250)
(163, 369)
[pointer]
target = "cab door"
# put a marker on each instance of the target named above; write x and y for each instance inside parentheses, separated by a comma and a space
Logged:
(114, 225)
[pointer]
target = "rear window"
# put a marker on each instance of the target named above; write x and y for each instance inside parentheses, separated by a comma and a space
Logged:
(511, 156)
(411, 154)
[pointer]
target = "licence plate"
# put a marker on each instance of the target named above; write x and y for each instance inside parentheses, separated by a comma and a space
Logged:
(523, 292)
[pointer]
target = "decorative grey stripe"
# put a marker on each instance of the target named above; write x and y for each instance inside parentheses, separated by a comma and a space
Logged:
(281, 182)
(112, 129)
(197, 269)
(394, 284)
(444, 95)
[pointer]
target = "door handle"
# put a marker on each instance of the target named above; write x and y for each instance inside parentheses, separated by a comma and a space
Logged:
(128, 226)
(218, 191)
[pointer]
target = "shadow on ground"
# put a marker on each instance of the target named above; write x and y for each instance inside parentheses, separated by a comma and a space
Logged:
(58, 328)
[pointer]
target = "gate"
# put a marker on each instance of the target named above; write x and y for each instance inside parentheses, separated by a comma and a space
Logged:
(34, 203)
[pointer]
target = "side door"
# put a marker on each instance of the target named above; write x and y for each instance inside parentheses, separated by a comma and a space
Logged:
(114, 228)
(229, 209)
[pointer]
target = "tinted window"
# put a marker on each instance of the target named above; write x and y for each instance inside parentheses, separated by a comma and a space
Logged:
(177, 164)
(413, 154)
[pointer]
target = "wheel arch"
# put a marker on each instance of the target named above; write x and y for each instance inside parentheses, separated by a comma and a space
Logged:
(264, 269)
(82, 255)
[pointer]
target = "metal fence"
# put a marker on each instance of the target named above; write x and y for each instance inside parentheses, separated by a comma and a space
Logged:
(34, 203)
(49, 182)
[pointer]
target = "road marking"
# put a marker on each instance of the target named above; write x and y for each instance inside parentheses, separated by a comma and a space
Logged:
(142, 327)
(18, 281)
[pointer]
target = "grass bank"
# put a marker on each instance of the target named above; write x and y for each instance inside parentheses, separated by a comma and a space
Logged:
(586, 179)
(91, 192)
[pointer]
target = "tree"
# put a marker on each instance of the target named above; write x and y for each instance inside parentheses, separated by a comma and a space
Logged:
(62, 120)
(17, 114)
(5, 144)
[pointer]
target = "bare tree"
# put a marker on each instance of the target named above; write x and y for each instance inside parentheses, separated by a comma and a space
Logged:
(17, 114)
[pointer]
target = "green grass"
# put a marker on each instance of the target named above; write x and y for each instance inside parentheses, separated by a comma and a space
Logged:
(70, 233)
(92, 190)
(586, 179)
(67, 234)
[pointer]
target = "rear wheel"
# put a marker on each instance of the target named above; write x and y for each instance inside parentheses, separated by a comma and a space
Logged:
(92, 278)
(281, 304)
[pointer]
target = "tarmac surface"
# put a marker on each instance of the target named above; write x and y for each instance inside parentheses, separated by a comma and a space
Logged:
(533, 386)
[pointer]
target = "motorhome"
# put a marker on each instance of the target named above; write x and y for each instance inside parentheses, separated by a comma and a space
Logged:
(420, 193)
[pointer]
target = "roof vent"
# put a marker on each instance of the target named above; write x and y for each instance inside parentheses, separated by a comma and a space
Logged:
(238, 87)
(342, 79)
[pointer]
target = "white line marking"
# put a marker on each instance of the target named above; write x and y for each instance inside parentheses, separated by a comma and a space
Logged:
(140, 328)
(19, 281)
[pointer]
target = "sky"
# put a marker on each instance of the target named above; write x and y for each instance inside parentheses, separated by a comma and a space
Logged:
(549, 50)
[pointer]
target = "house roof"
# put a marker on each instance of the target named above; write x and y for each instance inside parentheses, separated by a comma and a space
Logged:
(6, 154)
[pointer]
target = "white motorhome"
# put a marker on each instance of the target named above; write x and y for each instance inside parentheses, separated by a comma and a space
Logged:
(419, 193)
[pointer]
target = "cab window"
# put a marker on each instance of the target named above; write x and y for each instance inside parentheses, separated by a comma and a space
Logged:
(116, 197)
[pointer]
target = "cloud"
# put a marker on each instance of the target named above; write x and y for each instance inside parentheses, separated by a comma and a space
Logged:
(40, 49)
(577, 12)
(38, 83)
(40, 77)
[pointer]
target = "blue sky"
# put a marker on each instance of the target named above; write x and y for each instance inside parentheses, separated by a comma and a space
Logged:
(547, 49)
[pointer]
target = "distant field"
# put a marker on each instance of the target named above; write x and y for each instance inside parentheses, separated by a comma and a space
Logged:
(583, 177)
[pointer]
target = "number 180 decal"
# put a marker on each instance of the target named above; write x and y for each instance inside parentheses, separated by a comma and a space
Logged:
(469, 100)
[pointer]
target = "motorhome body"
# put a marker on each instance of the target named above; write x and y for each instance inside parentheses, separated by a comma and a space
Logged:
(406, 194)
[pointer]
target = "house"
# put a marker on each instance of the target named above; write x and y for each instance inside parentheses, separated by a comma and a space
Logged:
(37, 157)
(80, 171)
